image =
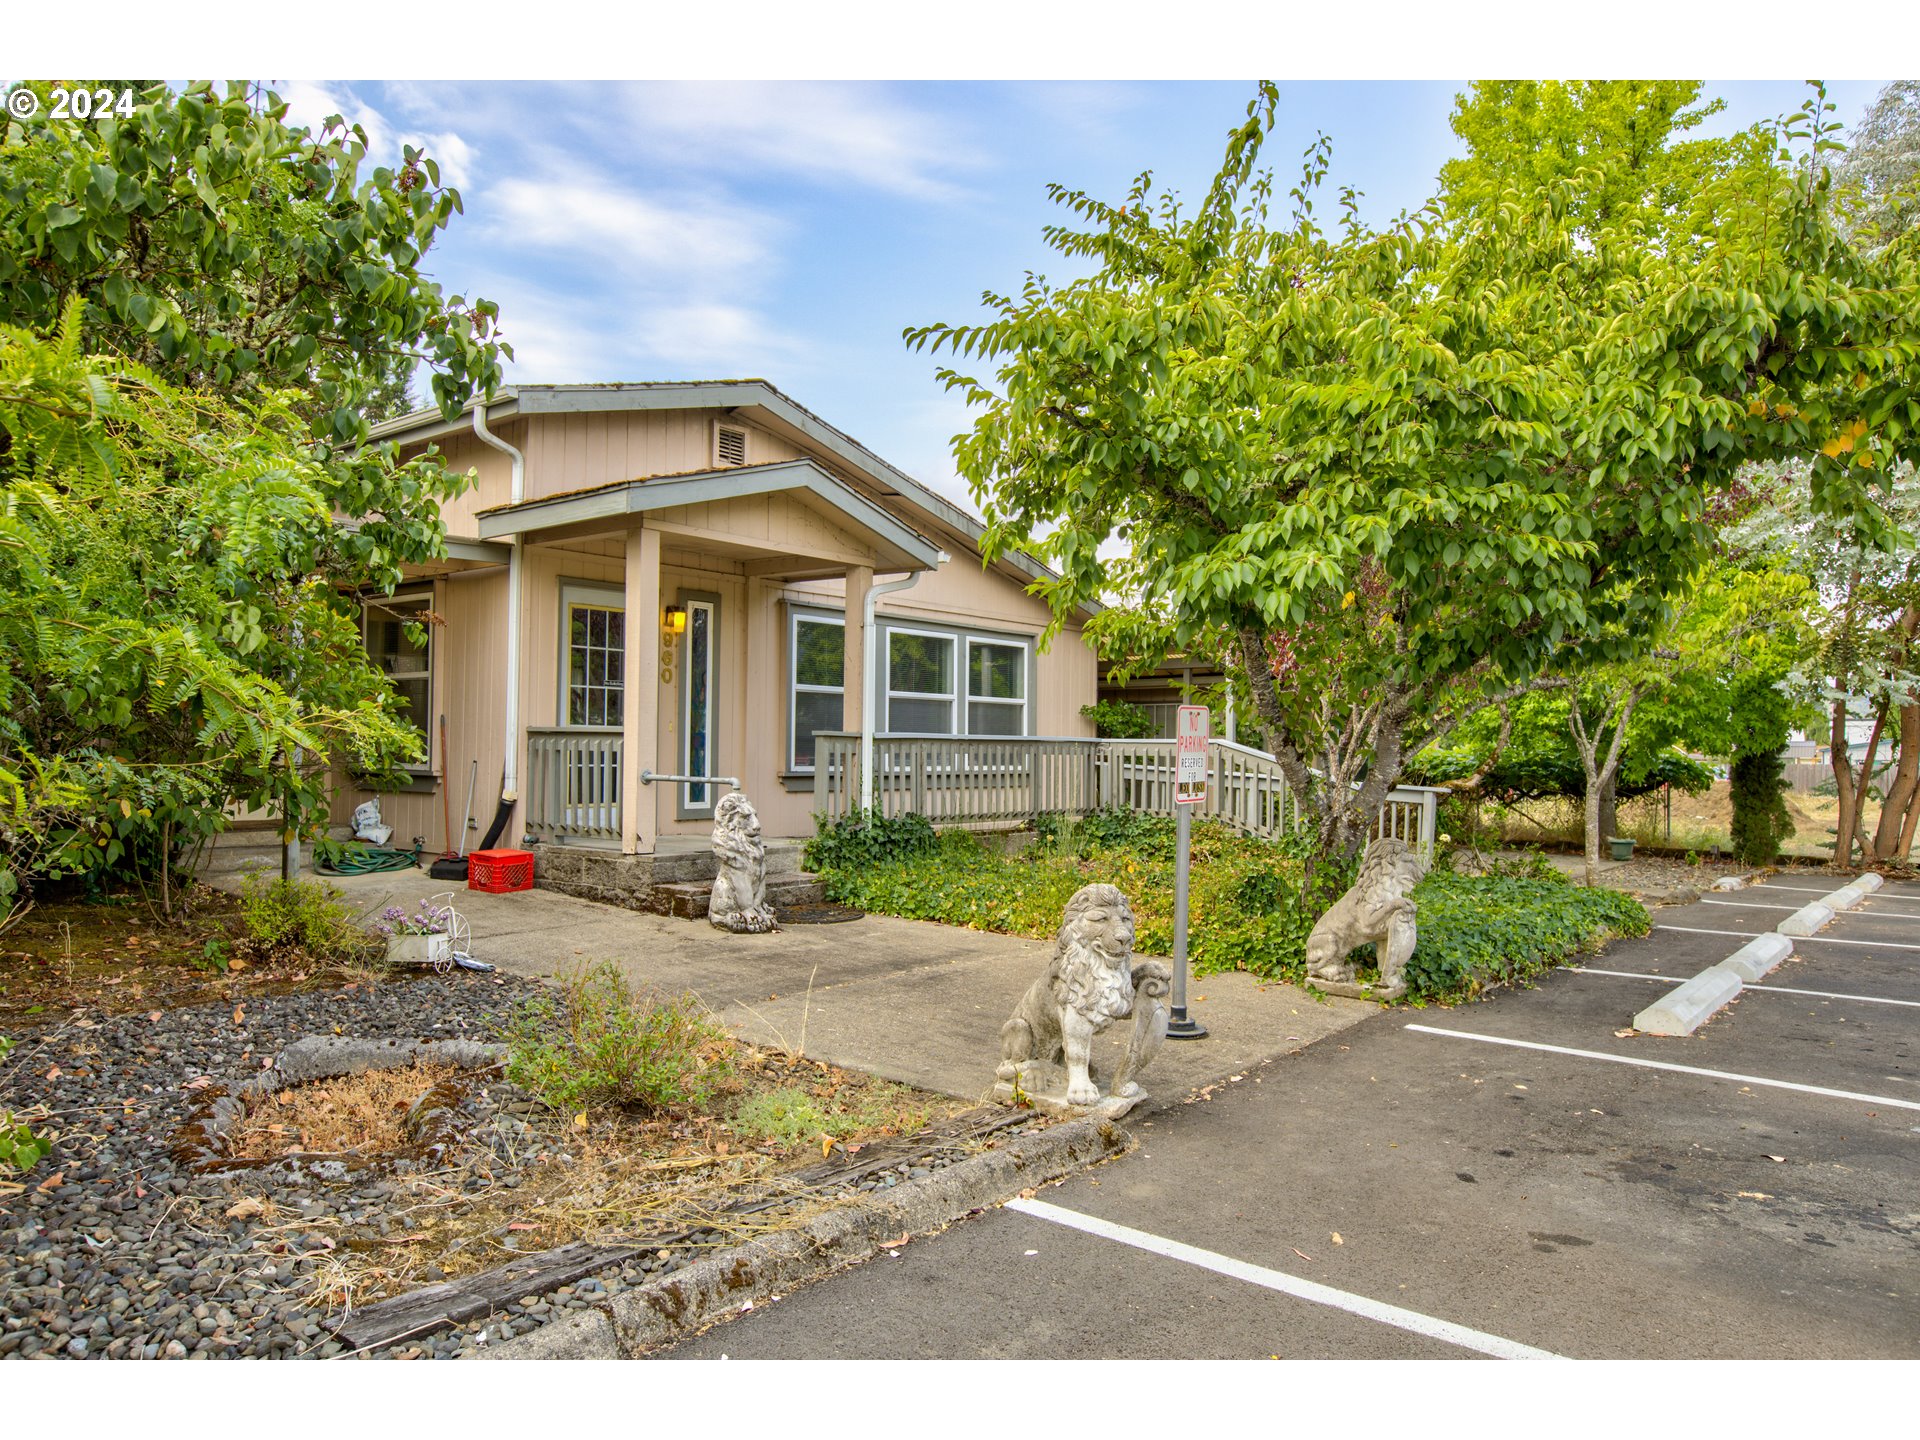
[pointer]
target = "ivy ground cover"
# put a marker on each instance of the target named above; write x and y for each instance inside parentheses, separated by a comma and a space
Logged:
(1247, 911)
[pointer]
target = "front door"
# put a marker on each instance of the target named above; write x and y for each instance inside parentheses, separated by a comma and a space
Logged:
(593, 698)
(698, 668)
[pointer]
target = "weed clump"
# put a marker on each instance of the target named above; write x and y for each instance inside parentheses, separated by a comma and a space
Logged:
(305, 915)
(599, 1046)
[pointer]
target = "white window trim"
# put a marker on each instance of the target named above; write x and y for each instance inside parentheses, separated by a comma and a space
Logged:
(952, 699)
(388, 603)
(594, 597)
(795, 689)
(1026, 671)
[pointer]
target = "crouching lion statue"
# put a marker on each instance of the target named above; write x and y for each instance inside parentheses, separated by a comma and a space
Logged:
(1091, 982)
(739, 900)
(1379, 908)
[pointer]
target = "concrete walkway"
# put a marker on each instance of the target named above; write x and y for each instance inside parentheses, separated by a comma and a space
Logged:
(909, 1000)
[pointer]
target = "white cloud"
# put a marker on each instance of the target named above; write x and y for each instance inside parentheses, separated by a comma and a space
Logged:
(598, 219)
(856, 134)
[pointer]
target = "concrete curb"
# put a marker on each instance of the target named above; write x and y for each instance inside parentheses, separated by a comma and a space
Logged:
(663, 1310)
(1757, 957)
(1871, 881)
(1684, 1009)
(1807, 920)
(1845, 898)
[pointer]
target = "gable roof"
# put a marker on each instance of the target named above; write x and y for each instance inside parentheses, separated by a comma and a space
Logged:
(753, 399)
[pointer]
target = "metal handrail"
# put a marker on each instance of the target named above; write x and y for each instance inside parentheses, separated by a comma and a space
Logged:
(647, 777)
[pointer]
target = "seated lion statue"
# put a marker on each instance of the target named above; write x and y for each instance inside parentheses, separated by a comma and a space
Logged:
(739, 900)
(1090, 982)
(1379, 907)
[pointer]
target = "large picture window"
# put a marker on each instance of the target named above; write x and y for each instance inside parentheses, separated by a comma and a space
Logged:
(407, 665)
(920, 691)
(817, 658)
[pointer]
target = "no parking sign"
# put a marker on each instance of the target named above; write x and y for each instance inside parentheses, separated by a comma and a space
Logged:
(1190, 735)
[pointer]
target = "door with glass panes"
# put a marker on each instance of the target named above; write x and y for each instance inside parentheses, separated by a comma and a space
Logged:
(593, 700)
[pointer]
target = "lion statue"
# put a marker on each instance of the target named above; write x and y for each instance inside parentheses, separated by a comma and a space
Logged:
(1379, 907)
(1091, 981)
(739, 901)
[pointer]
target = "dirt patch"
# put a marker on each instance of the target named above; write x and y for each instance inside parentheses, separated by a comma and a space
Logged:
(364, 1113)
(114, 956)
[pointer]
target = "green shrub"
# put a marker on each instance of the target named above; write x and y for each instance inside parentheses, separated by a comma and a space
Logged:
(1477, 931)
(1249, 907)
(1757, 783)
(867, 837)
(308, 915)
(1120, 720)
(21, 1147)
(597, 1045)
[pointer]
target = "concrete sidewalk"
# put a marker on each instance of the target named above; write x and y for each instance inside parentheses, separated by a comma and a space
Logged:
(909, 1000)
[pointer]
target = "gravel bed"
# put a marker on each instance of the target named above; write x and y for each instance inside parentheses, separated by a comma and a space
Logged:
(131, 1255)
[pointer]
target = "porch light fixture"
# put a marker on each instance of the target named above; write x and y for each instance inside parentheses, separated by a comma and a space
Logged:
(673, 621)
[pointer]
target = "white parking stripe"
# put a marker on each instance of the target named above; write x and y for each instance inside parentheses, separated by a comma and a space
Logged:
(1665, 1065)
(1747, 989)
(1798, 940)
(1293, 1285)
(1743, 905)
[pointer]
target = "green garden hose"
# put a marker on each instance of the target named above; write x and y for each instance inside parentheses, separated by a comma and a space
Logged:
(366, 860)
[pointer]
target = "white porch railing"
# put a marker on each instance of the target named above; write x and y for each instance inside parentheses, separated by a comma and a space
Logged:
(970, 780)
(573, 783)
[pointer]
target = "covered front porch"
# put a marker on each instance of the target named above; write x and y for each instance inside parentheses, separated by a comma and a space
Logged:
(653, 626)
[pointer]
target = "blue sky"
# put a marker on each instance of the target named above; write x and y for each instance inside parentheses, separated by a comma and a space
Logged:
(791, 229)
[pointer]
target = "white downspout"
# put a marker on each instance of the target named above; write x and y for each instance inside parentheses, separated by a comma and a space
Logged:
(510, 771)
(869, 650)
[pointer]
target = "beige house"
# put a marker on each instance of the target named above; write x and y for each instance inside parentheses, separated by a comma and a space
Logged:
(673, 580)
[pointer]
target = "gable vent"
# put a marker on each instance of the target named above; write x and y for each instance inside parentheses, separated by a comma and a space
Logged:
(730, 445)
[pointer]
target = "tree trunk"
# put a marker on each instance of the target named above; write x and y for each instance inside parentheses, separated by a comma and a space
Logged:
(1894, 835)
(1843, 784)
(1610, 807)
(1600, 773)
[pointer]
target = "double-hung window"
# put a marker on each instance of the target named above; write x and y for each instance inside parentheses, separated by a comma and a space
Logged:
(407, 665)
(996, 687)
(816, 657)
(920, 694)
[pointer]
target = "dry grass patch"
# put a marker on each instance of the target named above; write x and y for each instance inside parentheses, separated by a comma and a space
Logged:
(352, 1113)
(614, 1176)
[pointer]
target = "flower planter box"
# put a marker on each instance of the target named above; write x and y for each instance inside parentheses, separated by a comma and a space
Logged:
(1622, 849)
(434, 950)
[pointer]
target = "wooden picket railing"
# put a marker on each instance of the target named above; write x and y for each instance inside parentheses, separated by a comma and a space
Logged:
(573, 782)
(960, 780)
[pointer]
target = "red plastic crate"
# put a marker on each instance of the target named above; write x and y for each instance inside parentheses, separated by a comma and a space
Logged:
(500, 872)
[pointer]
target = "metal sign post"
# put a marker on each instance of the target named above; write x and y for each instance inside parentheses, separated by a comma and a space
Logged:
(1189, 789)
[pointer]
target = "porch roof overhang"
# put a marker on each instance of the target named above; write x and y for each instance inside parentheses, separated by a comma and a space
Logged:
(751, 398)
(895, 545)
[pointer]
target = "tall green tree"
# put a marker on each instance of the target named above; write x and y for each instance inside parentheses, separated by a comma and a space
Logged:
(1622, 147)
(224, 249)
(1408, 470)
(199, 306)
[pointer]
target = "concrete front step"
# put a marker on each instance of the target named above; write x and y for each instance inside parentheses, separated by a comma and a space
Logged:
(688, 900)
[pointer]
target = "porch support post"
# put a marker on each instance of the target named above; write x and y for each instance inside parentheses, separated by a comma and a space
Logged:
(640, 723)
(854, 678)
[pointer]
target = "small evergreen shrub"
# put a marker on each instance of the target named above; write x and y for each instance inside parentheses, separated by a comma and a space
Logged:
(598, 1045)
(1757, 784)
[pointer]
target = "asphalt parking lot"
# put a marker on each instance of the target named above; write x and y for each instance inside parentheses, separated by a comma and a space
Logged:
(1512, 1178)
